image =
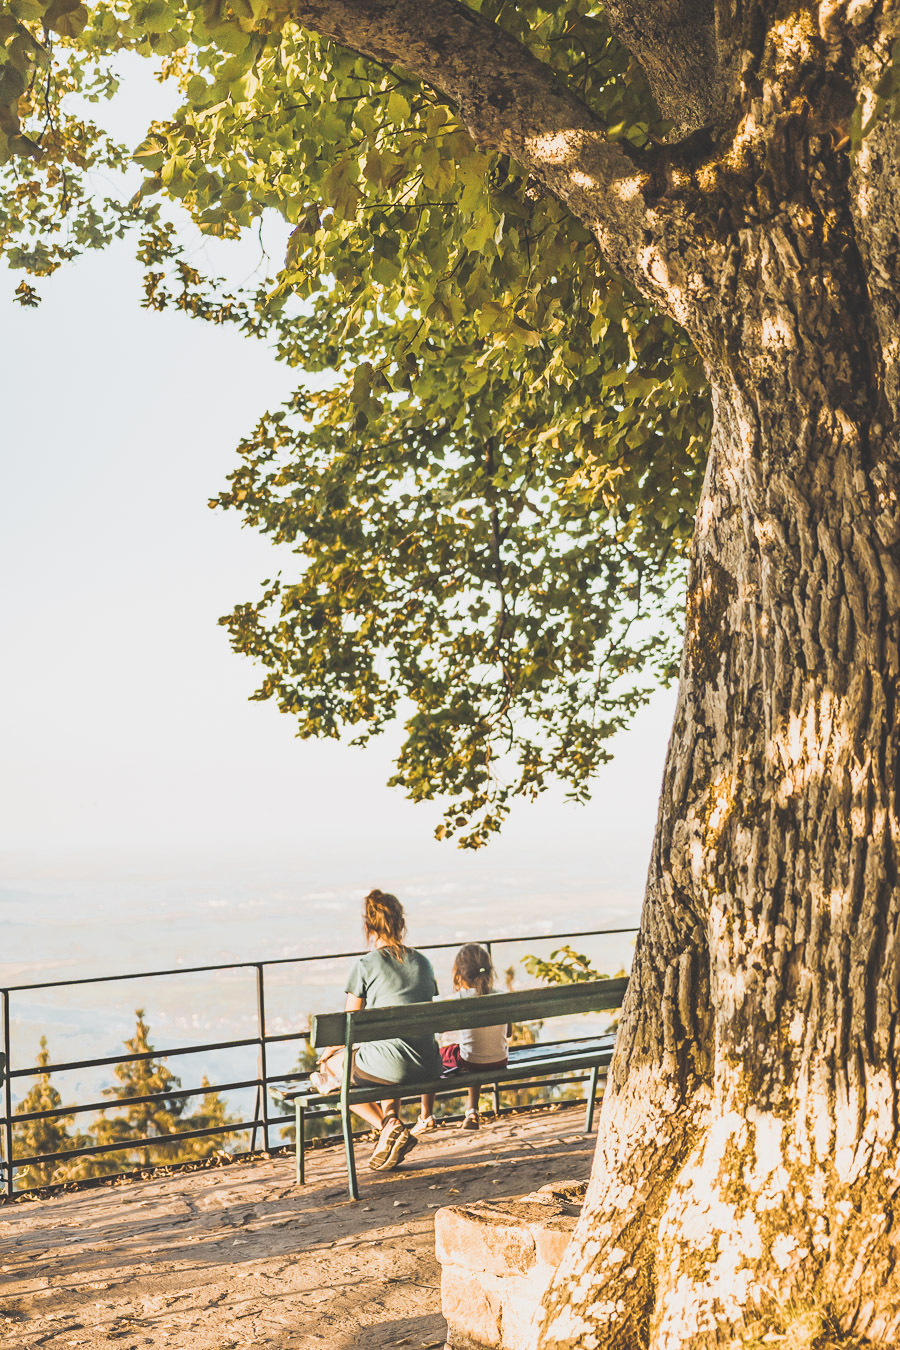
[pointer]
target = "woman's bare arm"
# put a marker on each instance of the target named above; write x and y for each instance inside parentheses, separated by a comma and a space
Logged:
(353, 1004)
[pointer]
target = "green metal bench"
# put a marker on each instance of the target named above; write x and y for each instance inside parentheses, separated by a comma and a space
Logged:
(422, 1019)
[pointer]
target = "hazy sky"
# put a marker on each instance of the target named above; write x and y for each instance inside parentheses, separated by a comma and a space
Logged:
(128, 744)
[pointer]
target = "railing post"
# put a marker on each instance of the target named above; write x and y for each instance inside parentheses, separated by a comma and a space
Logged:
(7, 1099)
(263, 1076)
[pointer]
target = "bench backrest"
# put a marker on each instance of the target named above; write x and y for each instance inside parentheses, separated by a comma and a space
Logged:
(456, 1014)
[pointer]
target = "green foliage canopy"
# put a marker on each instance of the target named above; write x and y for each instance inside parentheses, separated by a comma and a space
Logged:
(490, 500)
(564, 966)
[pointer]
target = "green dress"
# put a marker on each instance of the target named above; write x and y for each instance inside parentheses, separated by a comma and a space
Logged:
(382, 981)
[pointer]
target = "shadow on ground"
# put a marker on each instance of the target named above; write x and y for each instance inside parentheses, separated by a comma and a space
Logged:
(240, 1256)
(415, 1333)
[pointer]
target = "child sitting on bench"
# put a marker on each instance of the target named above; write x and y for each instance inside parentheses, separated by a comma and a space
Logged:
(480, 1048)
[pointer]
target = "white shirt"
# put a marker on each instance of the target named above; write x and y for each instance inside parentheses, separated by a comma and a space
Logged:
(481, 1045)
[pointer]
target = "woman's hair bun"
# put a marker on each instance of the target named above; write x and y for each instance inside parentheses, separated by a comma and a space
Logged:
(383, 919)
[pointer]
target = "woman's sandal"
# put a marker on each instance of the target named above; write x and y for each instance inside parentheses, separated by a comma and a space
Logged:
(471, 1121)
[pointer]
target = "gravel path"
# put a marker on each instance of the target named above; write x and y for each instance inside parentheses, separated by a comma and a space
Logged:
(239, 1257)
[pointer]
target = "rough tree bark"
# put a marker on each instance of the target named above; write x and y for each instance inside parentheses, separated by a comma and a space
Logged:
(748, 1162)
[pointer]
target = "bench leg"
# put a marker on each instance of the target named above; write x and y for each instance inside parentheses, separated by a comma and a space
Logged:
(591, 1094)
(497, 1100)
(299, 1153)
(348, 1149)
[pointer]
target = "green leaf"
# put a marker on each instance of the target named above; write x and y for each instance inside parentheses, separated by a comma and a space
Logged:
(398, 109)
(487, 500)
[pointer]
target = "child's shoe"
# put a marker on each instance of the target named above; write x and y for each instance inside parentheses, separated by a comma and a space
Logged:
(471, 1121)
(424, 1125)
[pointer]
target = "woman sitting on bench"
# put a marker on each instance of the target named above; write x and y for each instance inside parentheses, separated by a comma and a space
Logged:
(390, 974)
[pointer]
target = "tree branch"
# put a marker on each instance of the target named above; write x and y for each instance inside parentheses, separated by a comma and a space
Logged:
(689, 51)
(509, 102)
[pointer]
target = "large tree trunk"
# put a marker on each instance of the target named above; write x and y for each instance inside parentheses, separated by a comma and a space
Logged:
(749, 1149)
(749, 1155)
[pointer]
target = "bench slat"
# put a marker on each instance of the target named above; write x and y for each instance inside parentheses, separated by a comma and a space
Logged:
(531, 1056)
(524, 1054)
(560, 1058)
(422, 1019)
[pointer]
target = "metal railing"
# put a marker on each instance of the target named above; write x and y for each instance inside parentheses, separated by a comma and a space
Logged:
(262, 1122)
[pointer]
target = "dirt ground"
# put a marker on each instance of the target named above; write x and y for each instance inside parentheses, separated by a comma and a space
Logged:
(239, 1257)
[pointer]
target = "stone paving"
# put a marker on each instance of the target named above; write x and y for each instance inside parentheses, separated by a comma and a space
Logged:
(237, 1257)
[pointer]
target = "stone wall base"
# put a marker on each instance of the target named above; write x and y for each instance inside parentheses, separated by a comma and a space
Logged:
(497, 1259)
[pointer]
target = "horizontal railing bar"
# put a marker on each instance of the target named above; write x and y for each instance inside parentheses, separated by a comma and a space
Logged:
(139, 1171)
(34, 1071)
(274, 1079)
(551, 937)
(129, 1145)
(116, 1103)
(511, 1085)
(296, 960)
(160, 974)
(271, 1081)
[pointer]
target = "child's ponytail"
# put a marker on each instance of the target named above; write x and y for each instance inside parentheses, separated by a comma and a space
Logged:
(473, 969)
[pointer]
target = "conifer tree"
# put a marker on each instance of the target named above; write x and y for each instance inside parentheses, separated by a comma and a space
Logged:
(213, 1112)
(33, 1137)
(145, 1120)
